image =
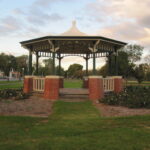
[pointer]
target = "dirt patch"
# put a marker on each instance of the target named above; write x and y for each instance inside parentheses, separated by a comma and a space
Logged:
(34, 106)
(114, 111)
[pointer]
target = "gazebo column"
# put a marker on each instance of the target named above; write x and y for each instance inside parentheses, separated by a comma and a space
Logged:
(61, 80)
(85, 79)
(54, 71)
(87, 66)
(94, 64)
(37, 63)
(109, 64)
(59, 69)
(116, 62)
(86, 60)
(30, 62)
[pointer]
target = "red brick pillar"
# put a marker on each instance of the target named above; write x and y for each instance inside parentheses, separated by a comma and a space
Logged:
(51, 89)
(28, 84)
(61, 82)
(85, 82)
(118, 84)
(96, 90)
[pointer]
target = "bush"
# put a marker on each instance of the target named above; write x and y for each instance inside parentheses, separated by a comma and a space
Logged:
(13, 94)
(133, 97)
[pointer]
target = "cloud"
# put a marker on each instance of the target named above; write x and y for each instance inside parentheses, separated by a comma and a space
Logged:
(126, 31)
(120, 10)
(44, 3)
(24, 20)
(129, 32)
(127, 20)
(9, 25)
(42, 18)
(145, 21)
(37, 16)
(48, 3)
(18, 11)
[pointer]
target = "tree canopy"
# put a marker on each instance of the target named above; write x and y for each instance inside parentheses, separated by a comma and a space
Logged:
(127, 67)
(10, 62)
(75, 71)
(134, 52)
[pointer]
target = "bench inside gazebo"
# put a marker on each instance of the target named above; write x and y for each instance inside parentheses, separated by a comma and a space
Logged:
(73, 43)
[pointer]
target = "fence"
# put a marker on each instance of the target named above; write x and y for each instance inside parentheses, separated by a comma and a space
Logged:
(108, 84)
(38, 84)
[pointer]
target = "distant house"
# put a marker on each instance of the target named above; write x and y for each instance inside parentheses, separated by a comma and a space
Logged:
(14, 74)
(1, 74)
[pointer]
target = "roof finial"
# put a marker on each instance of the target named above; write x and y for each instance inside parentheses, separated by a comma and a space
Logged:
(74, 23)
(73, 31)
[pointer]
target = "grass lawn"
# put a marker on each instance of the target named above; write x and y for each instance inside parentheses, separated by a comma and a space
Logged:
(18, 84)
(75, 126)
(135, 83)
(9, 82)
(73, 83)
(11, 85)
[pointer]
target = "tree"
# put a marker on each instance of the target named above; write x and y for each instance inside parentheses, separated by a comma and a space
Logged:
(126, 59)
(139, 73)
(125, 68)
(148, 76)
(7, 63)
(74, 70)
(78, 74)
(103, 70)
(47, 69)
(134, 52)
(62, 72)
(146, 69)
(22, 64)
(147, 59)
(123, 64)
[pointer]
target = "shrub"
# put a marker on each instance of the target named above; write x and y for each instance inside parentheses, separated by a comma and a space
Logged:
(13, 94)
(133, 97)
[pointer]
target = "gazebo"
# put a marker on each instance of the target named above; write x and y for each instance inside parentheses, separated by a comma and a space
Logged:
(73, 43)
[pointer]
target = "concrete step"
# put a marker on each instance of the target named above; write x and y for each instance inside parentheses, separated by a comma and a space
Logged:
(74, 94)
(73, 91)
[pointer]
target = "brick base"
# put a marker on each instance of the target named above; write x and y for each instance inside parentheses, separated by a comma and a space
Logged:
(118, 84)
(51, 89)
(28, 84)
(96, 90)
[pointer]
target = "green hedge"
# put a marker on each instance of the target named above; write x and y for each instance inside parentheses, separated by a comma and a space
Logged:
(132, 96)
(15, 94)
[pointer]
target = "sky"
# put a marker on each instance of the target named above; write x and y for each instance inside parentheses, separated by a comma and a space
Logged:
(125, 20)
